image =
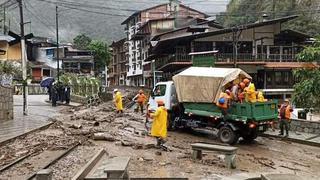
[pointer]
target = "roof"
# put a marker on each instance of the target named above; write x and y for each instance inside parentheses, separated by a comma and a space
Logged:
(290, 65)
(6, 38)
(165, 43)
(247, 26)
(118, 43)
(138, 12)
(188, 26)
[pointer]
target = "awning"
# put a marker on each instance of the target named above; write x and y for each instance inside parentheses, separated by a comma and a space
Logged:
(290, 65)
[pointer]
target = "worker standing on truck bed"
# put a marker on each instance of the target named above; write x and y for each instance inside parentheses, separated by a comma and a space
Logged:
(159, 124)
(250, 91)
(224, 103)
(240, 92)
(139, 99)
(118, 100)
(284, 112)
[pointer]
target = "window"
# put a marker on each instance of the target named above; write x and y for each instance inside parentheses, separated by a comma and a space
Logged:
(278, 78)
(46, 72)
(160, 90)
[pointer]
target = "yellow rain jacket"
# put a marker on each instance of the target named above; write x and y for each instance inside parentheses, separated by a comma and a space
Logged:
(260, 97)
(159, 124)
(250, 93)
(118, 101)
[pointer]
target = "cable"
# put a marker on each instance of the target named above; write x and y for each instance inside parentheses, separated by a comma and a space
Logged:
(39, 19)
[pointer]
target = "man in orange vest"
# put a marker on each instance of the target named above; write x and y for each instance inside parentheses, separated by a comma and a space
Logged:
(284, 114)
(140, 99)
(224, 103)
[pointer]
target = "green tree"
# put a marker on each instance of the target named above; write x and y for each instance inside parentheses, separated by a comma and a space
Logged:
(249, 11)
(307, 88)
(101, 54)
(81, 41)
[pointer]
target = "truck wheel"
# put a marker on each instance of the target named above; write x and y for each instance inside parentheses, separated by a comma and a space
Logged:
(227, 135)
(249, 138)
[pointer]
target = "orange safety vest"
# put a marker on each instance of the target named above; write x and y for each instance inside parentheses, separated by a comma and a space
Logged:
(226, 102)
(141, 98)
(287, 111)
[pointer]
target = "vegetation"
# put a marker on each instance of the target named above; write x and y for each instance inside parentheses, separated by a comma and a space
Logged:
(81, 85)
(81, 41)
(98, 47)
(249, 11)
(8, 68)
(307, 87)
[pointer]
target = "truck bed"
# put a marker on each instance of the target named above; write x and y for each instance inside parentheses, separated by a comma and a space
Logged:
(259, 111)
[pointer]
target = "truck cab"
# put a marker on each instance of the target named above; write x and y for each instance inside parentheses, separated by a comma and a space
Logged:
(165, 91)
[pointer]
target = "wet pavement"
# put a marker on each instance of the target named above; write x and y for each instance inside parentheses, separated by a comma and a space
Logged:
(298, 136)
(38, 114)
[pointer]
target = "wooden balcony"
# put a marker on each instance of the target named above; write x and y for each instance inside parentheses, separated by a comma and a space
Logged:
(255, 58)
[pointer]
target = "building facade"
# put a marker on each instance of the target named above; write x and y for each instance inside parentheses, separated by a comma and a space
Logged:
(142, 25)
(118, 64)
(263, 49)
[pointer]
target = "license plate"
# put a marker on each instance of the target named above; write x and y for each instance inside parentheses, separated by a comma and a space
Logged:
(261, 128)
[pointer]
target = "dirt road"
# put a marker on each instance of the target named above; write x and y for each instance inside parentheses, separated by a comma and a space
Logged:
(126, 136)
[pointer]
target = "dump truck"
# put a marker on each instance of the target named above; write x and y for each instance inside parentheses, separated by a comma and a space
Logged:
(191, 103)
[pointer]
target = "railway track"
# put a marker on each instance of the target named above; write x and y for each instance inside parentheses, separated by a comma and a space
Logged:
(29, 158)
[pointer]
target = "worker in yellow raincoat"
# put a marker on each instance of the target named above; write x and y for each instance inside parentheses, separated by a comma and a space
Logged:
(260, 97)
(250, 91)
(118, 100)
(159, 124)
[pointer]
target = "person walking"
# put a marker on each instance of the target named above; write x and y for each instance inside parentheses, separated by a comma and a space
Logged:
(118, 100)
(140, 99)
(159, 124)
(284, 114)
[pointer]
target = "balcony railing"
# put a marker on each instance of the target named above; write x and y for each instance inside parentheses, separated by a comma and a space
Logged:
(243, 57)
(172, 58)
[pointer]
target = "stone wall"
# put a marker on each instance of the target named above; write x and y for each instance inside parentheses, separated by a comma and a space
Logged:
(305, 126)
(6, 103)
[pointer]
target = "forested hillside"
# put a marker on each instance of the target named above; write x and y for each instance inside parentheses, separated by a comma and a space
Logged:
(248, 11)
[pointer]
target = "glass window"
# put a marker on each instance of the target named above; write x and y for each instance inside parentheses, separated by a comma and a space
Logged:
(278, 78)
(160, 90)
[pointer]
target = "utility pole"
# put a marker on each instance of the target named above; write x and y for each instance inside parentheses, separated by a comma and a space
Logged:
(57, 34)
(24, 61)
(273, 9)
(4, 20)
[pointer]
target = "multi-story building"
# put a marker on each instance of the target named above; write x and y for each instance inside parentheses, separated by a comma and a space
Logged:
(157, 19)
(263, 49)
(118, 64)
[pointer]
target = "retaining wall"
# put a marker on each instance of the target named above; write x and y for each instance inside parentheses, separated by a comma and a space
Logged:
(6, 103)
(305, 126)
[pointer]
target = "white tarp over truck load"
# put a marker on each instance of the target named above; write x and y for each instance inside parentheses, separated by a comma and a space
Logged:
(204, 84)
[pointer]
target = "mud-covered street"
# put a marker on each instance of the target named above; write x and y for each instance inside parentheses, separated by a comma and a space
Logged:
(125, 135)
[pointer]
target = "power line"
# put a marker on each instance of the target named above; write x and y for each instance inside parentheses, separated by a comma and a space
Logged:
(38, 17)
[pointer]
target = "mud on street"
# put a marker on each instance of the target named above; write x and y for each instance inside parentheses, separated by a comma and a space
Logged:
(125, 135)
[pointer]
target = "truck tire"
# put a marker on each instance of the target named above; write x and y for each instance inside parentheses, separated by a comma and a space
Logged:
(249, 138)
(227, 135)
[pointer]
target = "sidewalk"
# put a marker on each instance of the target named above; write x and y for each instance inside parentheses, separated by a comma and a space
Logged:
(300, 137)
(38, 114)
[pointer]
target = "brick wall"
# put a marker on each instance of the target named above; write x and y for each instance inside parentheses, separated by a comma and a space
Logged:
(6, 103)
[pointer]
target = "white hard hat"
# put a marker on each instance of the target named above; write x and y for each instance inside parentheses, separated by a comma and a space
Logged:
(115, 90)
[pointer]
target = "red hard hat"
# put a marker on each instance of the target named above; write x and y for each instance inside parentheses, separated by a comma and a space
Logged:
(242, 85)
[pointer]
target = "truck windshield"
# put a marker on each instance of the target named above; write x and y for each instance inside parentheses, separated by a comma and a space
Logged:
(160, 90)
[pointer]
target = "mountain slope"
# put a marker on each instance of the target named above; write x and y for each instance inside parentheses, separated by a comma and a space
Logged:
(248, 11)
(79, 17)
